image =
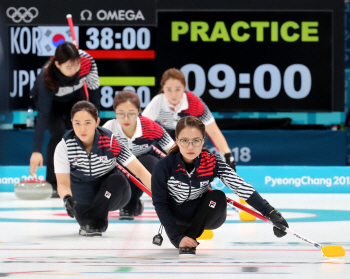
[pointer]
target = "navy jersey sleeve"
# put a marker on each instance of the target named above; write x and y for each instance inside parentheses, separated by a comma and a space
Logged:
(243, 189)
(43, 100)
(160, 199)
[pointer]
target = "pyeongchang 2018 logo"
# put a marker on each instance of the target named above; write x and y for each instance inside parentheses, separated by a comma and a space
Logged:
(115, 15)
(22, 14)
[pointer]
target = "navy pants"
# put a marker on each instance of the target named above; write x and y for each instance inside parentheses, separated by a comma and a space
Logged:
(210, 215)
(114, 193)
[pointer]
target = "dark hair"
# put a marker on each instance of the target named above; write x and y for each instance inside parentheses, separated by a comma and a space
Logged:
(172, 73)
(188, 121)
(127, 96)
(84, 105)
(64, 52)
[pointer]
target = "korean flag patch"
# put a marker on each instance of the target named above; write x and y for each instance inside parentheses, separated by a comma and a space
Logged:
(204, 183)
(103, 159)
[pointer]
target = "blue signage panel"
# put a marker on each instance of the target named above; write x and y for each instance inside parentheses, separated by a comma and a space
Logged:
(265, 179)
(293, 179)
(286, 148)
(11, 175)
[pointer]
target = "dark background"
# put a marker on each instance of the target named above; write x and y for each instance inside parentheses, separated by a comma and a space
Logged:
(325, 59)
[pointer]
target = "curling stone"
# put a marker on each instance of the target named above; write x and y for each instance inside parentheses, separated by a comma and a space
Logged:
(34, 189)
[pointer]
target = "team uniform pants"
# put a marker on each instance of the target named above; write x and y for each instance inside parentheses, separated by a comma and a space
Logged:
(58, 123)
(114, 193)
(148, 161)
(210, 215)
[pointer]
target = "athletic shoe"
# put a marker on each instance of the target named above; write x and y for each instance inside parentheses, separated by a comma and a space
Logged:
(55, 194)
(88, 230)
(104, 228)
(187, 251)
(139, 208)
(126, 214)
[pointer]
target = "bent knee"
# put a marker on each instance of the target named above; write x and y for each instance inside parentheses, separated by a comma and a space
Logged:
(218, 196)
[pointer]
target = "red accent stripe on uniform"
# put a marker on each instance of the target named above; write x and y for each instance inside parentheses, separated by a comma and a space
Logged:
(205, 174)
(122, 54)
(195, 106)
(207, 164)
(150, 129)
(85, 66)
(181, 170)
(116, 149)
(104, 145)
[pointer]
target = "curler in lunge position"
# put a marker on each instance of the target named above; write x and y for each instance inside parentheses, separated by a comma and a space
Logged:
(137, 133)
(180, 189)
(173, 102)
(85, 165)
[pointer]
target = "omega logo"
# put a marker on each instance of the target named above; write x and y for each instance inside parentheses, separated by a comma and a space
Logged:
(115, 15)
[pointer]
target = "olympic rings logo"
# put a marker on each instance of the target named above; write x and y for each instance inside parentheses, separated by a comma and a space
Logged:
(17, 15)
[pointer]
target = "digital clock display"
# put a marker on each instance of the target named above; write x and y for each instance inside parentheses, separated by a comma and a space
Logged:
(251, 61)
(236, 55)
(126, 60)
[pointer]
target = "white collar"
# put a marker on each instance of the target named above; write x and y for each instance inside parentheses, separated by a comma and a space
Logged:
(138, 131)
(184, 103)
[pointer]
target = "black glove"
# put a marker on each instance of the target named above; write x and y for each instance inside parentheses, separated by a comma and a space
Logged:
(69, 204)
(230, 160)
(278, 220)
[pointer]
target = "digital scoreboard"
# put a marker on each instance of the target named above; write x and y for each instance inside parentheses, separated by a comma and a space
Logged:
(235, 55)
(251, 61)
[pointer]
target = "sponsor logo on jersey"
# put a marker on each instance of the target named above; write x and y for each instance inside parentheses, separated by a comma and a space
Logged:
(108, 194)
(212, 204)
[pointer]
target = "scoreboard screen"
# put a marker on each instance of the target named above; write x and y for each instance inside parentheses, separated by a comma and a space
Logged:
(235, 55)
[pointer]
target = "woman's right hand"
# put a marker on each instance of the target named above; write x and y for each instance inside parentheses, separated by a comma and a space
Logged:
(35, 160)
(188, 242)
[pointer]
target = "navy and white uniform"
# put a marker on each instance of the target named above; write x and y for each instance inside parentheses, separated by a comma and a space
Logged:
(66, 92)
(177, 194)
(147, 131)
(54, 107)
(87, 171)
(159, 111)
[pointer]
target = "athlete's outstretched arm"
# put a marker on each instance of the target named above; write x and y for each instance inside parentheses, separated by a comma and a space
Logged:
(63, 184)
(141, 172)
